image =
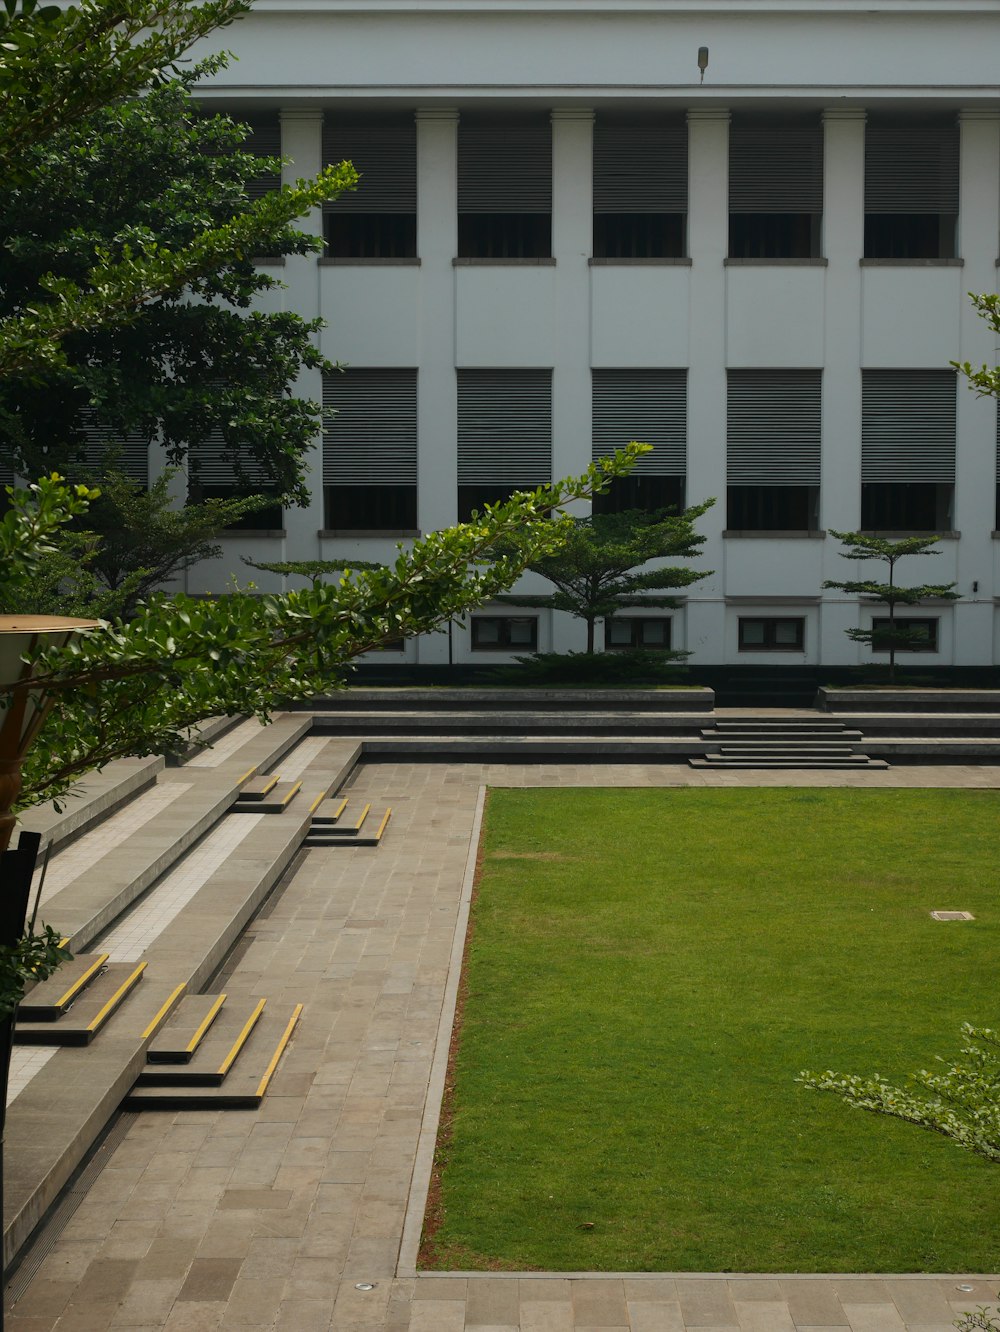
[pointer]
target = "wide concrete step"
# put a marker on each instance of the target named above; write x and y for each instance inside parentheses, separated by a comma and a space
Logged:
(506, 721)
(695, 698)
(245, 1081)
(756, 733)
(275, 800)
(777, 749)
(82, 1021)
(854, 762)
(215, 1054)
(364, 828)
(52, 998)
(329, 812)
(185, 1030)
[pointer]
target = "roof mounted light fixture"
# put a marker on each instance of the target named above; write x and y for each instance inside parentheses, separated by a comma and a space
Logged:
(703, 61)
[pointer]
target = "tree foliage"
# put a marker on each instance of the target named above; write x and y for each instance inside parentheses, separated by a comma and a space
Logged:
(984, 380)
(65, 79)
(598, 570)
(963, 1101)
(895, 637)
(138, 687)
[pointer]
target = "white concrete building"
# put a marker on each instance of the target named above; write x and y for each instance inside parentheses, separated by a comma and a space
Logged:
(741, 229)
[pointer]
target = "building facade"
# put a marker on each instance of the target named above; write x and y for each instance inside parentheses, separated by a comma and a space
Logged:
(743, 230)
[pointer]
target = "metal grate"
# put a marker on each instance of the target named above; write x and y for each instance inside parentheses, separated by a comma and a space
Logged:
(504, 427)
(648, 405)
(370, 428)
(952, 915)
(384, 155)
(773, 427)
(908, 426)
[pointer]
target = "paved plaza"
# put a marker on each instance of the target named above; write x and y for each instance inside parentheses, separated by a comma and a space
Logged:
(305, 1214)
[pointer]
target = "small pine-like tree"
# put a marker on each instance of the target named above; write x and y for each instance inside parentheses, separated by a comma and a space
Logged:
(859, 546)
(599, 569)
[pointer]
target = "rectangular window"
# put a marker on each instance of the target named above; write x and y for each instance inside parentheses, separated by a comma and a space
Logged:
(640, 190)
(650, 406)
(378, 220)
(104, 447)
(775, 190)
(907, 450)
(504, 435)
(773, 430)
(632, 633)
(911, 634)
(911, 190)
(505, 189)
(220, 467)
(500, 633)
(370, 450)
(767, 634)
(263, 140)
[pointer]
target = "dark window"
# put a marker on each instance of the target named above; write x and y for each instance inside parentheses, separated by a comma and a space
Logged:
(371, 236)
(505, 236)
(773, 508)
(378, 220)
(649, 493)
(473, 499)
(497, 633)
(639, 236)
(772, 635)
(262, 520)
(631, 633)
(911, 635)
(370, 508)
(775, 189)
(899, 506)
(504, 189)
(911, 190)
(774, 236)
(389, 645)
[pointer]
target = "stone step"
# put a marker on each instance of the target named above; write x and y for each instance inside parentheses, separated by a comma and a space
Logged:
(275, 801)
(179, 1038)
(777, 750)
(854, 762)
(85, 1018)
(348, 823)
(258, 787)
(755, 733)
(329, 812)
(245, 1082)
(215, 1053)
(369, 831)
(51, 999)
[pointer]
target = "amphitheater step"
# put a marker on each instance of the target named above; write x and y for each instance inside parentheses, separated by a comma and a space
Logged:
(214, 1055)
(245, 1081)
(51, 999)
(96, 1004)
(354, 828)
(190, 1022)
(274, 801)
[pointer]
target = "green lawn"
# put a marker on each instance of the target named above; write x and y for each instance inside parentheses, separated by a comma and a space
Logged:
(648, 972)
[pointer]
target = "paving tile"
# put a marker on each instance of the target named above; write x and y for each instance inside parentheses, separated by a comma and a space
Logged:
(210, 1279)
(873, 1317)
(600, 1302)
(546, 1315)
(437, 1316)
(919, 1301)
(813, 1303)
(491, 1302)
(761, 1315)
(706, 1303)
(655, 1316)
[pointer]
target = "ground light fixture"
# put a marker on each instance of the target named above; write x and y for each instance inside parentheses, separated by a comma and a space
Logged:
(25, 703)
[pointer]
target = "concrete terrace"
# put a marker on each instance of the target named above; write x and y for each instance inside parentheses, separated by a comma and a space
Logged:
(305, 1213)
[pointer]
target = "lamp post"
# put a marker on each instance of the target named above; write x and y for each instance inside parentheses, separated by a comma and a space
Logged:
(24, 706)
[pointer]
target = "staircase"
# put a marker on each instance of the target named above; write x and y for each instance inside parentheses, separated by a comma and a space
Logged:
(75, 1004)
(765, 743)
(213, 1055)
(336, 823)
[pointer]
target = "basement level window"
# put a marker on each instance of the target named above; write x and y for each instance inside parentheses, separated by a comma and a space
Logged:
(498, 633)
(635, 633)
(769, 634)
(911, 634)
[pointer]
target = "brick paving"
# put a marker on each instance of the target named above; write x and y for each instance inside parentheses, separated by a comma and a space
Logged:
(274, 1218)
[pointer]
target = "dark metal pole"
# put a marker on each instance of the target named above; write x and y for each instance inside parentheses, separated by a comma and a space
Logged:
(17, 867)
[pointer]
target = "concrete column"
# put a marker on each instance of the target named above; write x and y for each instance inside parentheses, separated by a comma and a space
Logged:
(302, 143)
(708, 244)
(437, 395)
(975, 470)
(572, 243)
(840, 474)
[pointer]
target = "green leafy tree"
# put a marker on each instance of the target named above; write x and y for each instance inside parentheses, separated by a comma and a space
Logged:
(60, 72)
(138, 687)
(599, 569)
(984, 380)
(151, 171)
(893, 637)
